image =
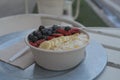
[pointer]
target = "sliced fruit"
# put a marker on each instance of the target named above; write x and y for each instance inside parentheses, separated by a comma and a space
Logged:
(45, 45)
(50, 37)
(33, 44)
(67, 33)
(60, 40)
(55, 41)
(63, 38)
(57, 34)
(52, 43)
(40, 41)
(66, 38)
(67, 28)
(62, 31)
(76, 46)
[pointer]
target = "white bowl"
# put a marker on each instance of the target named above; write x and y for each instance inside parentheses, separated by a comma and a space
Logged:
(58, 60)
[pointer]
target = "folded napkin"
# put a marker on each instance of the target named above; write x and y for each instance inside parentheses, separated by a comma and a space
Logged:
(23, 61)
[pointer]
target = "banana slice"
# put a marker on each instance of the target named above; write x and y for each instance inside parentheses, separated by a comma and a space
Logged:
(56, 41)
(67, 38)
(60, 40)
(45, 45)
(52, 43)
(75, 36)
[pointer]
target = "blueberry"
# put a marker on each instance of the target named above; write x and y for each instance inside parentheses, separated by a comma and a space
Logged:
(67, 28)
(54, 31)
(54, 27)
(49, 32)
(36, 33)
(50, 29)
(44, 37)
(44, 31)
(32, 38)
(41, 27)
(39, 36)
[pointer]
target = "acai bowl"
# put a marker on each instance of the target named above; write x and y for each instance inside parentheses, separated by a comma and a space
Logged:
(58, 47)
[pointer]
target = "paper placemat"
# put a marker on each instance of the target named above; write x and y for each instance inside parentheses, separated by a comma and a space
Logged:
(23, 61)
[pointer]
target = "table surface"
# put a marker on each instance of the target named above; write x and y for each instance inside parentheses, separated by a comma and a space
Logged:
(112, 46)
(111, 43)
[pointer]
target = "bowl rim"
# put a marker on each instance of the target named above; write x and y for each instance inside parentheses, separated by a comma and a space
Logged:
(56, 51)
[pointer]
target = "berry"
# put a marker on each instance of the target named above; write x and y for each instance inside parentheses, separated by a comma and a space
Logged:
(68, 33)
(41, 27)
(40, 41)
(32, 38)
(33, 44)
(67, 28)
(49, 33)
(62, 31)
(50, 29)
(44, 37)
(54, 31)
(57, 34)
(54, 27)
(50, 37)
(74, 30)
(36, 33)
(40, 36)
(44, 31)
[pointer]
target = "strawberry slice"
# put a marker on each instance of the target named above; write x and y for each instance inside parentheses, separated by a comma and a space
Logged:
(39, 41)
(50, 37)
(68, 33)
(57, 34)
(62, 31)
(74, 30)
(33, 44)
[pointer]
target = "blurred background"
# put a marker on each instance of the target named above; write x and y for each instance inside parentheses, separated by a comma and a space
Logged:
(95, 13)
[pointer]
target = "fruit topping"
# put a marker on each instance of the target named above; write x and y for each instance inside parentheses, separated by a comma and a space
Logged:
(57, 34)
(37, 34)
(50, 37)
(55, 27)
(62, 31)
(46, 34)
(46, 45)
(41, 27)
(34, 44)
(40, 41)
(67, 28)
(32, 38)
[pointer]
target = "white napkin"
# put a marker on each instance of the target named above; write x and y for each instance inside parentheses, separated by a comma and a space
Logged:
(23, 61)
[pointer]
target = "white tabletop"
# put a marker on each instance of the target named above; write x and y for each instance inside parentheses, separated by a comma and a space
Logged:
(111, 44)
